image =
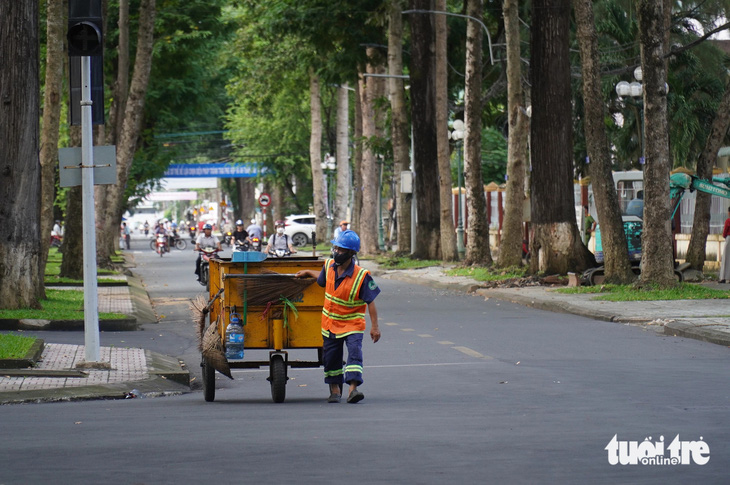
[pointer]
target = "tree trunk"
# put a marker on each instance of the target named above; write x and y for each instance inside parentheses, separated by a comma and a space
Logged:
(555, 241)
(399, 122)
(657, 264)
(121, 86)
(357, 159)
(477, 242)
(701, 223)
(246, 191)
(448, 234)
(425, 154)
(112, 197)
(51, 120)
(510, 249)
(343, 158)
(20, 173)
(73, 231)
(615, 250)
(315, 155)
(369, 169)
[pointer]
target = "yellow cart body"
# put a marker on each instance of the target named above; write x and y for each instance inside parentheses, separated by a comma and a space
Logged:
(264, 325)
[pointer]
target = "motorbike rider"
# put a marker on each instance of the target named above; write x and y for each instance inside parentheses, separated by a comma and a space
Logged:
(279, 240)
(240, 235)
(254, 230)
(204, 240)
(160, 229)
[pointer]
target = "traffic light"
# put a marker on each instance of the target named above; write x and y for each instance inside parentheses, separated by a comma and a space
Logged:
(85, 28)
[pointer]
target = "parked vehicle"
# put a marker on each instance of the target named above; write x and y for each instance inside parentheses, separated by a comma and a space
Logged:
(299, 228)
(56, 241)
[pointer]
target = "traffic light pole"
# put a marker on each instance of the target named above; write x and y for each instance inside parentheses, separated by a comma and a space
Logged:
(91, 299)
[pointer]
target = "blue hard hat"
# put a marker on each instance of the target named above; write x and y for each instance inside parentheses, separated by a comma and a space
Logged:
(348, 240)
(207, 226)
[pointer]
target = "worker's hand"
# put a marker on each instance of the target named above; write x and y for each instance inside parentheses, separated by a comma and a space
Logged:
(375, 334)
(301, 274)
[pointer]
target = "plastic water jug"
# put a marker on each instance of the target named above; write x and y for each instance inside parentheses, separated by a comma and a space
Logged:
(234, 338)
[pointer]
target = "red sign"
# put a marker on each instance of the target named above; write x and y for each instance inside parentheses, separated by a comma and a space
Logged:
(264, 200)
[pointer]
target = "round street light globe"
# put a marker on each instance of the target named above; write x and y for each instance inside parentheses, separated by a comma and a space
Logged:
(458, 125)
(635, 89)
(623, 88)
(638, 74)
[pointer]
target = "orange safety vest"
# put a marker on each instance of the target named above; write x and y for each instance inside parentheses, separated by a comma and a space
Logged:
(343, 312)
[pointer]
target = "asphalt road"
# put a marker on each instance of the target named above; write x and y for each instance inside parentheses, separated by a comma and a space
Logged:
(458, 390)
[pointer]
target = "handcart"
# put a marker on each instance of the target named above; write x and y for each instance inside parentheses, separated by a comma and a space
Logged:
(278, 312)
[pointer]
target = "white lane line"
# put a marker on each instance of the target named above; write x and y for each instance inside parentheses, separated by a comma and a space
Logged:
(408, 329)
(383, 366)
(391, 324)
(472, 353)
(445, 342)
(425, 335)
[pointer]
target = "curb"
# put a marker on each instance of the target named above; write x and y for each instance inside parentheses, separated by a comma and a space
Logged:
(167, 378)
(707, 332)
(703, 332)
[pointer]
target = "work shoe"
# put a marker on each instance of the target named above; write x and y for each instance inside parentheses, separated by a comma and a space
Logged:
(334, 398)
(355, 396)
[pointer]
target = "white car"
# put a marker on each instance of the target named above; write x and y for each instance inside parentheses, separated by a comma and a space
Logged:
(299, 228)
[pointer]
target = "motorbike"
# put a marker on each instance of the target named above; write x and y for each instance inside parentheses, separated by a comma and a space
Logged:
(177, 242)
(255, 243)
(280, 253)
(56, 241)
(206, 255)
(228, 238)
(161, 246)
(191, 231)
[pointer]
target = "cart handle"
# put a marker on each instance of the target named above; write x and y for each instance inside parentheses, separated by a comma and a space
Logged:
(255, 276)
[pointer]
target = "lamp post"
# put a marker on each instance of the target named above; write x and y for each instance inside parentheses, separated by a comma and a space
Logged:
(381, 239)
(328, 167)
(635, 90)
(457, 134)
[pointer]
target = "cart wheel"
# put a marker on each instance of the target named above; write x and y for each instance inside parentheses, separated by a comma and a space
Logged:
(278, 379)
(208, 381)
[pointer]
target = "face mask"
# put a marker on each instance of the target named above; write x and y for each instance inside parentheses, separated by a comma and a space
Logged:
(280, 230)
(341, 258)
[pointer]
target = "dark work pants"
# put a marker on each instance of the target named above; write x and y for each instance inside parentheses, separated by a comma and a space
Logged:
(332, 353)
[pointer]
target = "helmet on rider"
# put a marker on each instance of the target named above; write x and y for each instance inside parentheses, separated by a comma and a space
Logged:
(280, 223)
(239, 222)
(348, 240)
(207, 227)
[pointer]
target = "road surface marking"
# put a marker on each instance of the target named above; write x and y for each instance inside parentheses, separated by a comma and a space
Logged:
(445, 342)
(390, 324)
(425, 335)
(471, 353)
(408, 329)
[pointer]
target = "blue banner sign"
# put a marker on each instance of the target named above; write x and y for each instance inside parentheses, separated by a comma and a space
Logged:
(217, 170)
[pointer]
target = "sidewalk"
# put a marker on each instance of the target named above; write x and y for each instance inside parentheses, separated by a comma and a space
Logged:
(707, 320)
(56, 377)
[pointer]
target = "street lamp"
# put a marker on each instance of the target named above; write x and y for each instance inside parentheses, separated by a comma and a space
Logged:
(457, 134)
(635, 90)
(381, 238)
(328, 167)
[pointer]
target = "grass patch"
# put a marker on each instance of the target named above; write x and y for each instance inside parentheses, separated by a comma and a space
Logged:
(58, 305)
(684, 291)
(53, 269)
(14, 346)
(488, 274)
(394, 262)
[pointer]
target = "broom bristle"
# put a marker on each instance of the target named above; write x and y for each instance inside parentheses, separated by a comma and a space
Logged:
(198, 312)
(259, 292)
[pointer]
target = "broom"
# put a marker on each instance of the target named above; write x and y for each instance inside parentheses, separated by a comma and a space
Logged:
(268, 286)
(210, 343)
